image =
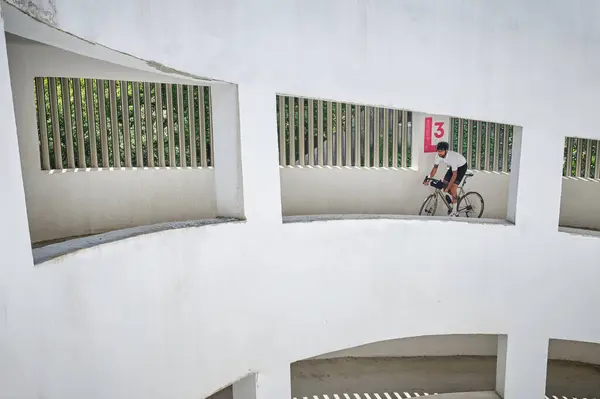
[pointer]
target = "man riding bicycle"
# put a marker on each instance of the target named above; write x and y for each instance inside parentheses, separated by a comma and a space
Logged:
(457, 167)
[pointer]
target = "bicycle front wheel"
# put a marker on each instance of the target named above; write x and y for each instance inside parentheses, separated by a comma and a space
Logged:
(429, 206)
(471, 205)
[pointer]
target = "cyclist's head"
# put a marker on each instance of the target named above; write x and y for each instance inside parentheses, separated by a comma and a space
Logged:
(442, 148)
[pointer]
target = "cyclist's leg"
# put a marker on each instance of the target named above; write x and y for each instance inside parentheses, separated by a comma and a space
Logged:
(460, 174)
(453, 190)
(447, 176)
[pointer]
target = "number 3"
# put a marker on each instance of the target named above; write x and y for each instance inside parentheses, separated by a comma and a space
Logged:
(439, 132)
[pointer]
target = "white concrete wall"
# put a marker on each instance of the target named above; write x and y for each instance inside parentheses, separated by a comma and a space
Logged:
(331, 190)
(74, 203)
(58, 206)
(184, 313)
(322, 190)
(580, 203)
(229, 44)
(166, 304)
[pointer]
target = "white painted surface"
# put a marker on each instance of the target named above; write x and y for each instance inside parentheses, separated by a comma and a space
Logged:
(323, 190)
(521, 365)
(258, 318)
(273, 383)
(20, 24)
(313, 191)
(513, 185)
(230, 44)
(229, 194)
(75, 203)
(58, 207)
(14, 238)
(183, 313)
(259, 157)
(580, 203)
(244, 388)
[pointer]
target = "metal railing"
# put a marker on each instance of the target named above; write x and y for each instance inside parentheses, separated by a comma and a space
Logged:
(95, 123)
(486, 145)
(325, 133)
(581, 158)
(180, 134)
(383, 139)
(487, 150)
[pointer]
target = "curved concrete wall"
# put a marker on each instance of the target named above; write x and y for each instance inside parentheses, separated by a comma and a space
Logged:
(183, 313)
(78, 202)
(181, 303)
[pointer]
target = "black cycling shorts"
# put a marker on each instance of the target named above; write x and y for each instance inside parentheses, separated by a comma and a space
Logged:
(460, 173)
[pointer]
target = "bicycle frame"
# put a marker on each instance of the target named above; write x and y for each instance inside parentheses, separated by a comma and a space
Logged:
(460, 192)
(442, 195)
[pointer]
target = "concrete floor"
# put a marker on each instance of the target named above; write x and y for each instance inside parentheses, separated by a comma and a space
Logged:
(393, 378)
(359, 375)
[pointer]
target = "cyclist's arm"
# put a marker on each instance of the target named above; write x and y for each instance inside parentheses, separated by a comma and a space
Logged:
(433, 171)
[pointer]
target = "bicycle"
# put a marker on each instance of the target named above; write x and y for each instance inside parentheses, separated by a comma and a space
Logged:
(467, 203)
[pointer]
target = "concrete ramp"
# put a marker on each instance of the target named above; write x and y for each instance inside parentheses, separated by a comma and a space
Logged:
(396, 395)
(469, 395)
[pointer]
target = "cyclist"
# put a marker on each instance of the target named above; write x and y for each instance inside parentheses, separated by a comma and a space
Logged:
(457, 167)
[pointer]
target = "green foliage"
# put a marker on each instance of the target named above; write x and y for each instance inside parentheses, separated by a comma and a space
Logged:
(129, 146)
(125, 118)
(354, 115)
(579, 153)
(492, 137)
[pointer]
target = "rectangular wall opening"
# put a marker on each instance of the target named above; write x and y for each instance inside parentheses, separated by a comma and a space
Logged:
(573, 369)
(105, 147)
(98, 123)
(579, 205)
(401, 368)
(353, 159)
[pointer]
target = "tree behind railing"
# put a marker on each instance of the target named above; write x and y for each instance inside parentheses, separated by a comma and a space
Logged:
(186, 126)
(581, 158)
(486, 145)
(126, 131)
(326, 133)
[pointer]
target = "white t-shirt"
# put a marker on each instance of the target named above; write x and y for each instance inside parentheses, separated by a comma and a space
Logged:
(453, 160)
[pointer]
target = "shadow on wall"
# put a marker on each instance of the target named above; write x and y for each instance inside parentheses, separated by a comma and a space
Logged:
(225, 393)
(411, 367)
(580, 361)
(579, 205)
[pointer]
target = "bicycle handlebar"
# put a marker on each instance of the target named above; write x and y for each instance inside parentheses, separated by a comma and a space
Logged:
(427, 178)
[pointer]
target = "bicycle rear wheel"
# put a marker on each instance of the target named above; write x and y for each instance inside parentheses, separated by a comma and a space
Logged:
(471, 205)
(429, 206)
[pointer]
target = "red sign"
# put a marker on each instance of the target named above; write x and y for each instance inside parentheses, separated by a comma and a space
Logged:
(429, 144)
